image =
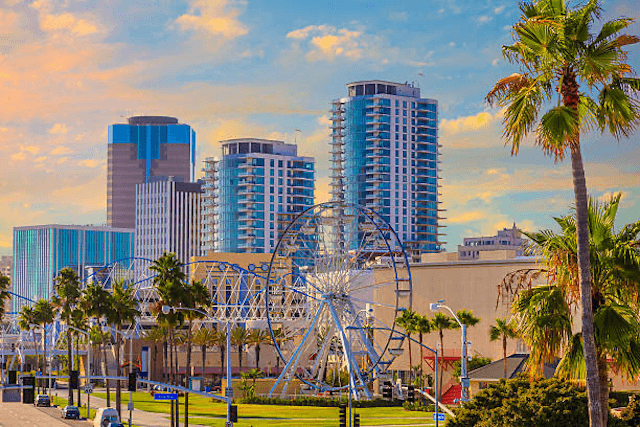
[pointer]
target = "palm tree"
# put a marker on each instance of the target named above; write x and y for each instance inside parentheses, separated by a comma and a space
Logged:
(79, 321)
(96, 301)
(196, 296)
(240, 338)
(157, 334)
(205, 337)
(220, 340)
(280, 339)
(67, 287)
(408, 322)
(258, 337)
(423, 326)
(557, 54)
(124, 309)
(169, 282)
(503, 330)
(44, 315)
(27, 320)
(544, 312)
(440, 323)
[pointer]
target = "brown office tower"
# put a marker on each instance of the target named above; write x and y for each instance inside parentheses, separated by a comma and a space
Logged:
(146, 149)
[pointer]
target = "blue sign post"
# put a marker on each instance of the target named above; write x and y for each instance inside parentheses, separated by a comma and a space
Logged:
(439, 416)
(165, 396)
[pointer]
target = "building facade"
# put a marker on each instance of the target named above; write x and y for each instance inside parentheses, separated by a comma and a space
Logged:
(257, 187)
(146, 149)
(506, 239)
(41, 251)
(6, 261)
(168, 219)
(385, 157)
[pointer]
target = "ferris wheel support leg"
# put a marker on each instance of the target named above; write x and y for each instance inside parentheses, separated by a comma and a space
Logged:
(293, 361)
(351, 363)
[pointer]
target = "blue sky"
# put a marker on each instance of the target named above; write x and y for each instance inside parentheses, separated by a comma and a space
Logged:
(68, 69)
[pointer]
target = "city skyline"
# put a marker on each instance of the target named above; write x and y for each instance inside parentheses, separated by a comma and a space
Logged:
(258, 69)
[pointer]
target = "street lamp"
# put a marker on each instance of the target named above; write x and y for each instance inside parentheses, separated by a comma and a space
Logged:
(464, 378)
(228, 393)
(105, 329)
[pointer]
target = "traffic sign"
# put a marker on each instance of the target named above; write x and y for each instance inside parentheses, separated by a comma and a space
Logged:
(165, 396)
(440, 416)
(88, 388)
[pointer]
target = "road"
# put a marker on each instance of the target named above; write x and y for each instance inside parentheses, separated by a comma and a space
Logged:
(21, 415)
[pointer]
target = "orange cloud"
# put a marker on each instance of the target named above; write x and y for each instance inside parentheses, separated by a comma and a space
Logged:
(58, 128)
(214, 17)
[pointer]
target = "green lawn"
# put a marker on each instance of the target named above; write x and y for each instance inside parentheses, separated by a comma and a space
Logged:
(213, 413)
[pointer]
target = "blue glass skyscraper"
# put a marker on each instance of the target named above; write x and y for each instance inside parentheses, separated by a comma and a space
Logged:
(146, 149)
(385, 157)
(41, 251)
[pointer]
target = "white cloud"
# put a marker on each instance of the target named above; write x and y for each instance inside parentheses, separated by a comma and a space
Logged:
(498, 10)
(484, 19)
(469, 123)
(328, 42)
(216, 17)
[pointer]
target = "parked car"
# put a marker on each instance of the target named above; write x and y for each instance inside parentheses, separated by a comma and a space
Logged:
(42, 400)
(71, 412)
(105, 416)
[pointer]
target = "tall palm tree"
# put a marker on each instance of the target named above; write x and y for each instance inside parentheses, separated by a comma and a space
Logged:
(544, 312)
(422, 326)
(281, 338)
(257, 337)
(407, 321)
(124, 309)
(205, 337)
(440, 323)
(79, 321)
(44, 315)
(503, 330)
(67, 288)
(558, 54)
(28, 318)
(196, 296)
(96, 301)
(169, 283)
(157, 334)
(220, 340)
(239, 338)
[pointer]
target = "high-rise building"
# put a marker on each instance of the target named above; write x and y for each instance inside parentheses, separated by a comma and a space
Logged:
(6, 261)
(385, 157)
(253, 191)
(146, 149)
(506, 239)
(168, 219)
(41, 251)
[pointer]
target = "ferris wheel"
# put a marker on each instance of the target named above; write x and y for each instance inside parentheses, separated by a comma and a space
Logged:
(329, 266)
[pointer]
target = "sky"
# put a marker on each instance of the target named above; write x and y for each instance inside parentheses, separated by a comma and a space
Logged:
(258, 68)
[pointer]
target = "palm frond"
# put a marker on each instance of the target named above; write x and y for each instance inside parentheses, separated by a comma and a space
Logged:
(625, 40)
(557, 127)
(572, 365)
(507, 85)
(618, 112)
(612, 27)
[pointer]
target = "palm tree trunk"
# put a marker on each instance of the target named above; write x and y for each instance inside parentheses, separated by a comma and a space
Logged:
(69, 358)
(171, 376)
(441, 365)
(421, 357)
(257, 356)
(118, 374)
(44, 355)
(410, 360)
(165, 359)
(584, 268)
(504, 354)
(105, 361)
(35, 348)
(188, 374)
(239, 359)
(603, 373)
(78, 357)
(203, 348)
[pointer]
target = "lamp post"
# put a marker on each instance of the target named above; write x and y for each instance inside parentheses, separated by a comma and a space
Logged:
(88, 369)
(464, 378)
(105, 329)
(166, 309)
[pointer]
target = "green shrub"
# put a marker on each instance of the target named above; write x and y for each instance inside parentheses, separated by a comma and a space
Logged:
(320, 401)
(418, 406)
(520, 403)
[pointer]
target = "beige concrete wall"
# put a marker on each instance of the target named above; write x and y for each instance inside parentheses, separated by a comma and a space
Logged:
(471, 285)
